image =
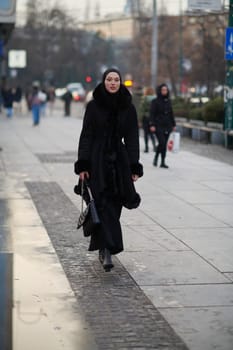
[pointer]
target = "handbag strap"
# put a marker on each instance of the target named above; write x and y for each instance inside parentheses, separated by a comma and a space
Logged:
(82, 192)
(88, 189)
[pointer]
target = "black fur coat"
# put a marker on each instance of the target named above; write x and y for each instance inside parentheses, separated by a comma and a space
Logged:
(110, 127)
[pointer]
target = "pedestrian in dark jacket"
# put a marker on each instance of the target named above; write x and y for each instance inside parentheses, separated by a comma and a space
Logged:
(144, 117)
(162, 122)
(108, 156)
(8, 99)
(67, 98)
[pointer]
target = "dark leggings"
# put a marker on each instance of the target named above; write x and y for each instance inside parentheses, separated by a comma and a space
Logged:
(162, 137)
(147, 134)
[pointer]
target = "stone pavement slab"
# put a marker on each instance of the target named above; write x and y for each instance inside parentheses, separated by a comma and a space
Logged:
(192, 295)
(212, 326)
(171, 267)
(214, 245)
(219, 211)
(206, 196)
(149, 238)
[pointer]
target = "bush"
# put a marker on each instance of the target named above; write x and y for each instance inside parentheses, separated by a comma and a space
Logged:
(181, 112)
(196, 113)
(213, 111)
(180, 107)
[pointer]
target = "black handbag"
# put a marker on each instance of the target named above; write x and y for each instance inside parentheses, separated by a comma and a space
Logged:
(89, 218)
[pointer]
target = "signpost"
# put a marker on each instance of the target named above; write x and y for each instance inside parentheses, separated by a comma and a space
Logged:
(17, 59)
(212, 5)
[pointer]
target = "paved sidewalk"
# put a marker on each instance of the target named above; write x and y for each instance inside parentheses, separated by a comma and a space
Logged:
(172, 287)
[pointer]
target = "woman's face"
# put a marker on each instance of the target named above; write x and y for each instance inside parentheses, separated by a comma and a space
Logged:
(112, 82)
(164, 91)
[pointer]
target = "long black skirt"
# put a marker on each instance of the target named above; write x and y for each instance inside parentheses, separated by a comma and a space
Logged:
(109, 234)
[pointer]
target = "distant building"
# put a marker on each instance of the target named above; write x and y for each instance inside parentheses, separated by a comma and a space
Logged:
(121, 27)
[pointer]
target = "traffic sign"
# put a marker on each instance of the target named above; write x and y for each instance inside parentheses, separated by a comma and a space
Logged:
(229, 43)
(17, 59)
(212, 5)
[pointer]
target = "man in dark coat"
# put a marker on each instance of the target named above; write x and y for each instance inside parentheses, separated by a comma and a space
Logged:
(162, 122)
(67, 98)
(110, 164)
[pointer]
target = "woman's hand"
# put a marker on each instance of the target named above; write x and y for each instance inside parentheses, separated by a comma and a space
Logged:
(84, 175)
(152, 128)
(135, 177)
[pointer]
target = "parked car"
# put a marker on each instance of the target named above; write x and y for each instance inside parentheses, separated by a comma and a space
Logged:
(77, 91)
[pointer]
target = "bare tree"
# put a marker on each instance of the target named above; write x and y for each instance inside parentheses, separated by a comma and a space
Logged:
(58, 52)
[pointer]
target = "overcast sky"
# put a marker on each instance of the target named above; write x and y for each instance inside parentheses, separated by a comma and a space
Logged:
(106, 6)
(77, 7)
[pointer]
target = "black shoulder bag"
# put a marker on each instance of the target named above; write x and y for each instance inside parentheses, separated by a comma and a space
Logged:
(89, 218)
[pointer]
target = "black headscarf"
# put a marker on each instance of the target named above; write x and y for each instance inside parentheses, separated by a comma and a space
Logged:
(112, 101)
(111, 70)
(159, 94)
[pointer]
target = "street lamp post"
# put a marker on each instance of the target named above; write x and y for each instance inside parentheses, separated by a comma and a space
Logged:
(180, 48)
(154, 46)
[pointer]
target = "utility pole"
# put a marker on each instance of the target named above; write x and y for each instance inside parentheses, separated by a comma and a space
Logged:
(154, 46)
(180, 48)
(228, 93)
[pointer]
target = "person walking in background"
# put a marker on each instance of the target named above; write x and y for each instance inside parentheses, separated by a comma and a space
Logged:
(110, 165)
(8, 99)
(67, 98)
(18, 94)
(35, 103)
(43, 96)
(144, 117)
(162, 122)
(51, 99)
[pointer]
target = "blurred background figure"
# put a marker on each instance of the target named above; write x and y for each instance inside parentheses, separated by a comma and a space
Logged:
(51, 97)
(67, 98)
(8, 99)
(162, 122)
(35, 104)
(144, 117)
(43, 97)
(18, 94)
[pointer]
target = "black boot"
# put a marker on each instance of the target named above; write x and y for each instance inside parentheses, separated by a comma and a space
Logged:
(101, 256)
(107, 264)
(163, 165)
(155, 161)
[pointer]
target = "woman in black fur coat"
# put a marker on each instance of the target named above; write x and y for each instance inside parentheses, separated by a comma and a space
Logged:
(108, 156)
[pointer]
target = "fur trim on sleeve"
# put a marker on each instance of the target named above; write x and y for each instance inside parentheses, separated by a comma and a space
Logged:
(81, 165)
(137, 169)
